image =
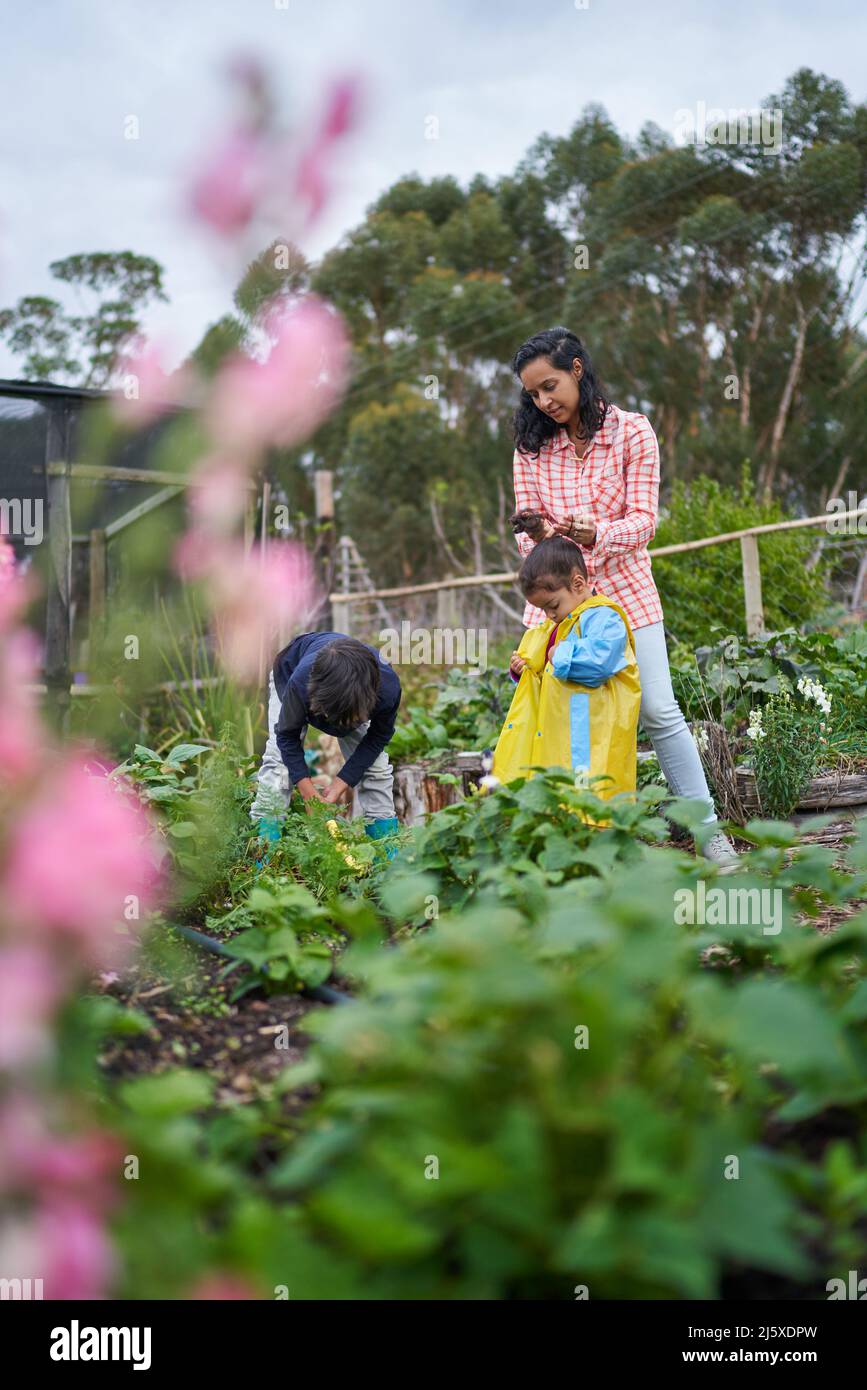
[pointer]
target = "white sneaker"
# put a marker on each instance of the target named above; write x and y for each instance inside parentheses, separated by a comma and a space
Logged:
(720, 851)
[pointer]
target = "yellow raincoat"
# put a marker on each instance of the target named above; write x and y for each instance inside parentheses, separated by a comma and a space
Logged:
(559, 723)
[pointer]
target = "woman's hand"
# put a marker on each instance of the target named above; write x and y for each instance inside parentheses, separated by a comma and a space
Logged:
(517, 664)
(536, 525)
(581, 529)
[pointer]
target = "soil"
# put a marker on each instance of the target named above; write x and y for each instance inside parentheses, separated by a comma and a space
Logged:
(195, 1025)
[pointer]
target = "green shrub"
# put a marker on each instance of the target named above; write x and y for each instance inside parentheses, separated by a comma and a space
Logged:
(467, 713)
(727, 680)
(202, 797)
(703, 588)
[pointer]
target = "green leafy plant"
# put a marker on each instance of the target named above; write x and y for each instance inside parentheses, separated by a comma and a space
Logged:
(532, 1095)
(203, 798)
(519, 838)
(726, 680)
(467, 713)
(788, 746)
(582, 1040)
(284, 944)
(326, 851)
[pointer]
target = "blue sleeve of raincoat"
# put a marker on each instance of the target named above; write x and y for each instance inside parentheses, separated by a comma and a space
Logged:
(597, 655)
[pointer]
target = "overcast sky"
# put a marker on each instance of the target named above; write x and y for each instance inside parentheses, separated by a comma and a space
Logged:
(496, 75)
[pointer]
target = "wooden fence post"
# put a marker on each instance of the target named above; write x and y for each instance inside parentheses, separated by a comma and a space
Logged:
(323, 491)
(447, 608)
(755, 616)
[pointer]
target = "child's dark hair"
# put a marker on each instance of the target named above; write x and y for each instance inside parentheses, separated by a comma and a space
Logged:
(531, 425)
(344, 682)
(550, 565)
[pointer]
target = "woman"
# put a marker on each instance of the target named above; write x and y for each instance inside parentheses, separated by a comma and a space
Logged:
(590, 471)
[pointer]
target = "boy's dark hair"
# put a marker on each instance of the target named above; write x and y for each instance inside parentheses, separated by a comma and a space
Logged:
(550, 565)
(344, 682)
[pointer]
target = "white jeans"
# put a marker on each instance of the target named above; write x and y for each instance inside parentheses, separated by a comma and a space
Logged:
(374, 791)
(663, 722)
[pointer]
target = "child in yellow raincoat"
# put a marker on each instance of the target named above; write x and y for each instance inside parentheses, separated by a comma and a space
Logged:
(578, 693)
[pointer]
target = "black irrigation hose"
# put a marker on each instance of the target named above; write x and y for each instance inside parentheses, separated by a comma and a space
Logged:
(323, 994)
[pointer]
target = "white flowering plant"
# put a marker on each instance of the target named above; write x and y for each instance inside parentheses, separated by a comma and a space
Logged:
(789, 736)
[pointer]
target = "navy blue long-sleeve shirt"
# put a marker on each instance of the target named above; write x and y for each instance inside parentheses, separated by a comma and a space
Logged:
(291, 669)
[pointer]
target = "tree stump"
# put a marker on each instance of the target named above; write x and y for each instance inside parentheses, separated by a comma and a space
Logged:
(418, 791)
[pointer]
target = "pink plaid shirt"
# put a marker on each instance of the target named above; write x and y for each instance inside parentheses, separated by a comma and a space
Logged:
(617, 485)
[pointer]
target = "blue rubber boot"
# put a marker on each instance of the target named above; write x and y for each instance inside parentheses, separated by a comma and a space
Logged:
(269, 831)
(379, 829)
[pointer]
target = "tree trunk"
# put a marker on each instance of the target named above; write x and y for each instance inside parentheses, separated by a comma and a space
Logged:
(770, 470)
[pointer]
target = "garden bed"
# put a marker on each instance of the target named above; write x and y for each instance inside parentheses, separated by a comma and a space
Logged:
(828, 789)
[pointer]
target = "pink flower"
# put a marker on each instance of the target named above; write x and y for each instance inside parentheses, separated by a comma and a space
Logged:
(81, 859)
(76, 1253)
(226, 192)
(21, 735)
(148, 391)
(281, 401)
(30, 987)
(257, 603)
(216, 500)
(32, 1158)
(15, 589)
(255, 600)
(341, 113)
(63, 1243)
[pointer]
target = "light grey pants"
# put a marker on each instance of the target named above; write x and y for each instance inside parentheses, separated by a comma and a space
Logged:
(662, 720)
(374, 791)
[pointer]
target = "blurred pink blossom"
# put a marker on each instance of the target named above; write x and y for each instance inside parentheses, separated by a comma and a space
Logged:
(64, 1243)
(255, 600)
(226, 192)
(21, 736)
(341, 114)
(282, 400)
(30, 988)
(217, 500)
(78, 1165)
(76, 1252)
(77, 857)
(148, 391)
(15, 589)
(258, 171)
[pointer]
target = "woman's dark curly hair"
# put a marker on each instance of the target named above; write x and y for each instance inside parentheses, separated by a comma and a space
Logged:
(531, 425)
(550, 565)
